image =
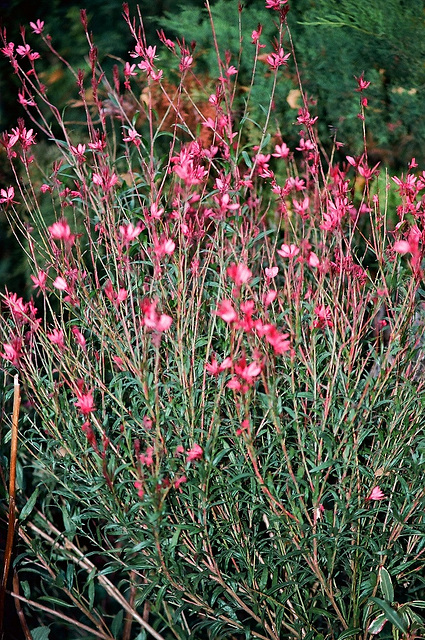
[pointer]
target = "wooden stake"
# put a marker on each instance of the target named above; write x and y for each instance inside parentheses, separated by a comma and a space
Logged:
(12, 496)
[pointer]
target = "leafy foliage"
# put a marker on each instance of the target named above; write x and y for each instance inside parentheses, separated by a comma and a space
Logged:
(223, 362)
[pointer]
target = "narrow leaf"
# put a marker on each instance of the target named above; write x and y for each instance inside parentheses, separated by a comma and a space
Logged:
(378, 624)
(386, 585)
(28, 507)
(392, 615)
(349, 633)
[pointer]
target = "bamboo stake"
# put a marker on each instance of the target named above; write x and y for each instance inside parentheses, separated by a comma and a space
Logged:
(12, 496)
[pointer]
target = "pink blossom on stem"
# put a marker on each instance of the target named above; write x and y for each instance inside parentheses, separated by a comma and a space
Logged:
(288, 251)
(138, 485)
(363, 84)
(152, 319)
(248, 372)
(147, 457)
(279, 341)
(255, 36)
(195, 453)
(39, 280)
(276, 5)
(57, 337)
(60, 283)
(85, 403)
(37, 27)
(313, 260)
(61, 231)
(129, 232)
(168, 43)
(7, 195)
(78, 152)
(226, 311)
(12, 351)
(79, 338)
(323, 317)
(16, 305)
(179, 481)
(281, 151)
(269, 297)
(376, 494)
(276, 60)
(271, 272)
(164, 247)
(239, 273)
(105, 179)
(186, 62)
(402, 247)
(215, 369)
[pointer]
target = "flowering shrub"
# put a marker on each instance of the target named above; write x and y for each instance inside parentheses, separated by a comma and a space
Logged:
(222, 362)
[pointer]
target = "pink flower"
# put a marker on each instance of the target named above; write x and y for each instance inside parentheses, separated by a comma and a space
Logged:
(179, 481)
(57, 337)
(168, 43)
(281, 151)
(156, 212)
(12, 352)
(231, 71)
(7, 196)
(130, 232)
(147, 457)
(61, 231)
(16, 305)
(23, 49)
(215, 369)
(276, 5)
(279, 341)
(402, 247)
(138, 485)
(185, 63)
(195, 453)
(324, 317)
(226, 311)
(376, 494)
(164, 322)
(39, 280)
(271, 272)
(133, 136)
(276, 60)
(152, 319)
(288, 251)
(269, 297)
(313, 260)
(79, 338)
(85, 403)
(105, 179)
(37, 27)
(247, 372)
(363, 84)
(60, 283)
(239, 273)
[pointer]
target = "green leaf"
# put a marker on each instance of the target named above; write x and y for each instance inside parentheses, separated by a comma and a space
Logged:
(29, 506)
(392, 615)
(40, 633)
(117, 624)
(386, 585)
(377, 625)
(349, 633)
(420, 604)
